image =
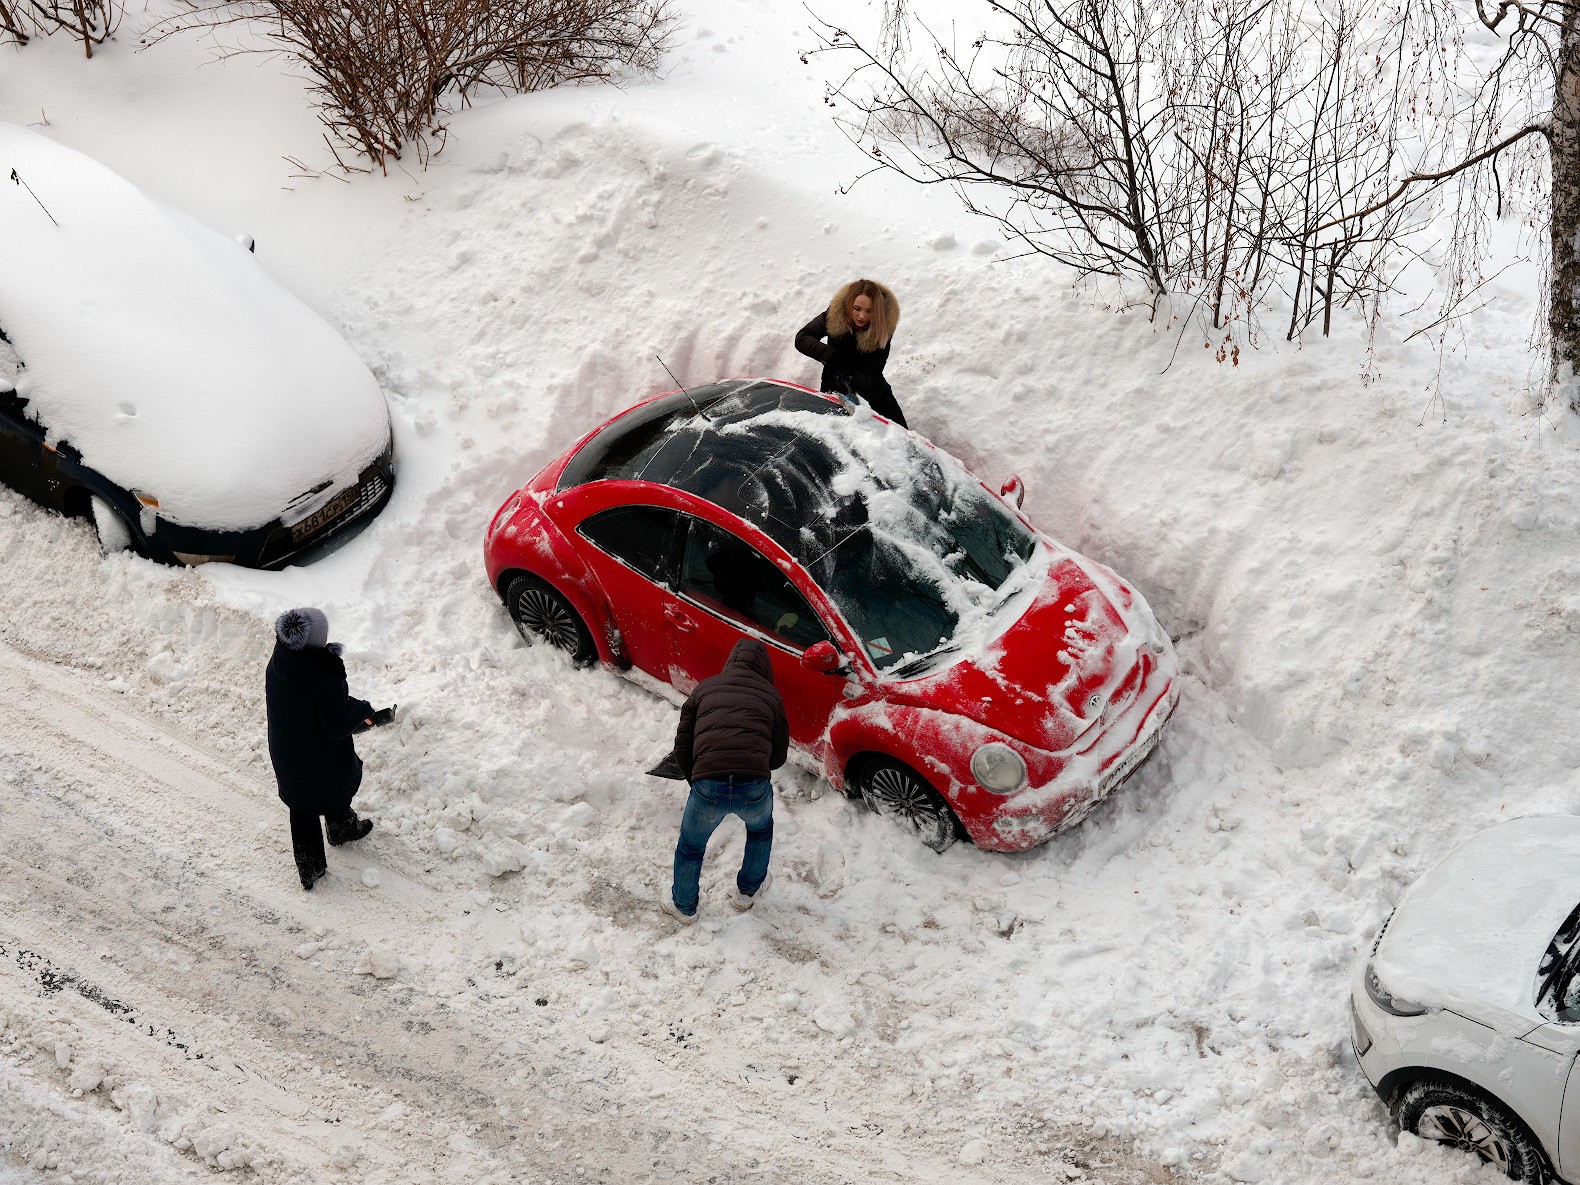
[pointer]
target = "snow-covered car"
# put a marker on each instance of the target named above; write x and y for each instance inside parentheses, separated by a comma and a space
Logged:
(155, 380)
(937, 654)
(1466, 1011)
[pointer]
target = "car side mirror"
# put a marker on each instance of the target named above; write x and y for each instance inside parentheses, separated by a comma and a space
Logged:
(1014, 490)
(821, 656)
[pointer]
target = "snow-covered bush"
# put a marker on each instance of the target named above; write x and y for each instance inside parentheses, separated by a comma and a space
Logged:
(91, 21)
(386, 70)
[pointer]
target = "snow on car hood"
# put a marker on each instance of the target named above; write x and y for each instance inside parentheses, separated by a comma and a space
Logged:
(1472, 930)
(165, 354)
(1076, 657)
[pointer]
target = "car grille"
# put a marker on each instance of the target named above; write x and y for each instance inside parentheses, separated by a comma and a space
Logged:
(341, 509)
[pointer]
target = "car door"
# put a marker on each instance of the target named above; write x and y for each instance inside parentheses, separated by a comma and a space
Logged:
(632, 554)
(21, 448)
(1564, 1041)
(727, 590)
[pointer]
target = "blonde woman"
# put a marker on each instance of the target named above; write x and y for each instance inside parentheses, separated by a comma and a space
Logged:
(857, 326)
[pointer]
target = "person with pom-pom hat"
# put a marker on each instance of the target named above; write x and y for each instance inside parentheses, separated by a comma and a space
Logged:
(312, 718)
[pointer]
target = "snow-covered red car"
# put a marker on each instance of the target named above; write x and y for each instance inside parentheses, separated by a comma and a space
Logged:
(937, 654)
(156, 380)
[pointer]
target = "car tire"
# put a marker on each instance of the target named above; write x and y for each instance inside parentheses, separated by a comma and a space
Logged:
(542, 613)
(1460, 1117)
(898, 791)
(114, 534)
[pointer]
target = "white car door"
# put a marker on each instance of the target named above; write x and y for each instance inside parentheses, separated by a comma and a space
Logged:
(1562, 1040)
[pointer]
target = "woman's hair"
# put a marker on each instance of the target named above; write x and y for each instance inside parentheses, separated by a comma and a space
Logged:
(879, 329)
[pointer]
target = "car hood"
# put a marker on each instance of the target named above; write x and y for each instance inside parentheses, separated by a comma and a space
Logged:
(1469, 934)
(1076, 657)
(165, 354)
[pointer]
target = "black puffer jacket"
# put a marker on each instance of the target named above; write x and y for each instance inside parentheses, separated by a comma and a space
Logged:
(734, 722)
(311, 719)
(852, 359)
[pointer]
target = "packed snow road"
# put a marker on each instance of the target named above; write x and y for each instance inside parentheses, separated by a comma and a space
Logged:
(160, 970)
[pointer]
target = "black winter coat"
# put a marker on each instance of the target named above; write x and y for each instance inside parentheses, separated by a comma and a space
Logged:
(846, 368)
(311, 719)
(734, 722)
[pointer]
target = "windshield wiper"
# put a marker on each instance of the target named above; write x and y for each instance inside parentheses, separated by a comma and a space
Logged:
(921, 662)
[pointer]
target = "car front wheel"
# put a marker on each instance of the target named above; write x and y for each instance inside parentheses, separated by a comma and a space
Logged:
(889, 788)
(114, 534)
(542, 613)
(1472, 1122)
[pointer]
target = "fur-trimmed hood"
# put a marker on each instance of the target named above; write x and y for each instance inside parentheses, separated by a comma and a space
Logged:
(867, 339)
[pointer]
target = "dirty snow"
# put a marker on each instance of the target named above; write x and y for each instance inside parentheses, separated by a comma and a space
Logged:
(1370, 585)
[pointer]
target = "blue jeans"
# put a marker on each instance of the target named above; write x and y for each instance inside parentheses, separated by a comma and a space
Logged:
(713, 800)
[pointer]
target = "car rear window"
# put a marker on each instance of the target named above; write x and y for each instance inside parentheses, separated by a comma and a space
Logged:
(658, 441)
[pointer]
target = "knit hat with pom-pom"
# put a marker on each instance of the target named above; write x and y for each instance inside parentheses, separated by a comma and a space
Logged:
(298, 629)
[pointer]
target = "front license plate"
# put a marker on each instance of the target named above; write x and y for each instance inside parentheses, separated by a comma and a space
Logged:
(326, 513)
(1126, 767)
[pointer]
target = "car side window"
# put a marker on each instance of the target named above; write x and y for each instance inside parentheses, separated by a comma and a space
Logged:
(641, 536)
(729, 576)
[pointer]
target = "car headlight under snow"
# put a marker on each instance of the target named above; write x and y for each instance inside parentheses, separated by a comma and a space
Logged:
(998, 768)
(1386, 1000)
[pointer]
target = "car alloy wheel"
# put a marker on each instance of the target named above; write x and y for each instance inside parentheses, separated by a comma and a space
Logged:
(1471, 1122)
(889, 788)
(542, 612)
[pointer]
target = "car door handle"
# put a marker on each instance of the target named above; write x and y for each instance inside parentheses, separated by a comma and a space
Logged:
(679, 620)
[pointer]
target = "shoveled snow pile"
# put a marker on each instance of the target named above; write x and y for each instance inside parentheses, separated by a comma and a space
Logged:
(164, 353)
(1371, 587)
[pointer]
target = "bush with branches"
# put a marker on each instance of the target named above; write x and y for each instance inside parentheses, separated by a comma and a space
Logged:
(385, 71)
(1245, 156)
(90, 21)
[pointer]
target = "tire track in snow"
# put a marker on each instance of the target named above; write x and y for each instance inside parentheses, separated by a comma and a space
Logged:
(233, 992)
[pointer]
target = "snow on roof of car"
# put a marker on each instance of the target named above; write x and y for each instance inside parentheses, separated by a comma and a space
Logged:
(1473, 929)
(164, 353)
(899, 534)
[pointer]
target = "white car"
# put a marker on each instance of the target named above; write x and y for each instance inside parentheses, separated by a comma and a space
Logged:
(1467, 1010)
(156, 380)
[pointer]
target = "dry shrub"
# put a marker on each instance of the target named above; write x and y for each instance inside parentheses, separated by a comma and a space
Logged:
(386, 71)
(90, 21)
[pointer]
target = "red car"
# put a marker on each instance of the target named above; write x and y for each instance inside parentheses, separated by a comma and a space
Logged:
(937, 654)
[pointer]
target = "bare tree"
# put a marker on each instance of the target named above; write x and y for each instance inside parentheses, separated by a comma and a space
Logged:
(386, 70)
(90, 21)
(1248, 153)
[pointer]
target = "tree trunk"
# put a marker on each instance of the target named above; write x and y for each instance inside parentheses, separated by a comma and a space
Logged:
(1563, 316)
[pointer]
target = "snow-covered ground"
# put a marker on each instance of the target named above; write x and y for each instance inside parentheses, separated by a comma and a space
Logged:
(1371, 585)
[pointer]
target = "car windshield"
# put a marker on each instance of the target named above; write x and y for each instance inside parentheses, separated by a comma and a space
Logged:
(908, 545)
(1557, 981)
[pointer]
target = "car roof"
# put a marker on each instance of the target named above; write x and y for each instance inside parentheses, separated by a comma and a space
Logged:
(778, 456)
(165, 353)
(1471, 932)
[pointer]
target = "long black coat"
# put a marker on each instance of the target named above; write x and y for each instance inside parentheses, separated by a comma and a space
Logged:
(311, 719)
(734, 722)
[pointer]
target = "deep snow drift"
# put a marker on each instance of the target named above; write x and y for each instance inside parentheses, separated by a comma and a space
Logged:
(1370, 585)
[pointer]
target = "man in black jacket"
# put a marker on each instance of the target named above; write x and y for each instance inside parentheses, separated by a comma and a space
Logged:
(311, 721)
(732, 732)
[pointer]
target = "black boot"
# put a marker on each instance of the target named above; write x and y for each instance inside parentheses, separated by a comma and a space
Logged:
(311, 877)
(348, 829)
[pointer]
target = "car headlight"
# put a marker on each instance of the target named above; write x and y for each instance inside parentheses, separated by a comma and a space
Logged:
(1386, 1000)
(998, 768)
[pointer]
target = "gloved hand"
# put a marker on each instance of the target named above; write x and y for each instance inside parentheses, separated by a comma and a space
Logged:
(384, 716)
